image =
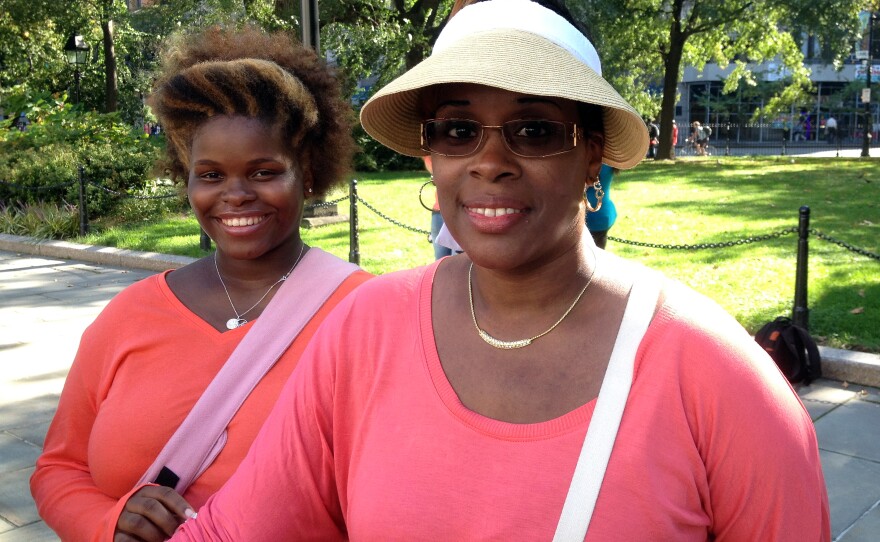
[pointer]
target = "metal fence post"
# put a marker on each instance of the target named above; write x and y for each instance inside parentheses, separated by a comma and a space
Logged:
(783, 145)
(204, 240)
(354, 254)
(83, 212)
(801, 313)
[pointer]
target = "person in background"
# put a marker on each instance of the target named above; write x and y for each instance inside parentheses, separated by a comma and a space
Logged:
(454, 401)
(436, 219)
(601, 211)
(256, 123)
(674, 137)
(23, 122)
(653, 135)
(700, 139)
(831, 129)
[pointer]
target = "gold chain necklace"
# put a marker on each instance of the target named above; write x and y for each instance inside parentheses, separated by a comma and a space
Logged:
(511, 345)
(239, 320)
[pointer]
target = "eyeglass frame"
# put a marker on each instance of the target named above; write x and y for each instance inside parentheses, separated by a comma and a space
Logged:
(575, 132)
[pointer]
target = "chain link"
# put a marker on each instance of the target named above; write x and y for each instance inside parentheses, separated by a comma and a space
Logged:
(326, 203)
(847, 246)
(124, 195)
(389, 219)
(20, 186)
(746, 241)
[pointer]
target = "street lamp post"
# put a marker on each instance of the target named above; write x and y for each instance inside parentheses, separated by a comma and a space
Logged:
(866, 97)
(77, 52)
(310, 26)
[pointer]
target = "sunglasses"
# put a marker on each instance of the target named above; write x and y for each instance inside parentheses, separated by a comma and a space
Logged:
(534, 138)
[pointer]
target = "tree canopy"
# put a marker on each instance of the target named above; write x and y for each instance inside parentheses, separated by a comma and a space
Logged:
(644, 44)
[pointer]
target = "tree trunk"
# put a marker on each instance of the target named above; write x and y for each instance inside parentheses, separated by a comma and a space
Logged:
(665, 150)
(671, 67)
(111, 91)
(419, 16)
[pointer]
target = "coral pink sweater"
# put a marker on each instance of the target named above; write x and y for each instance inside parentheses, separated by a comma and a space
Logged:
(140, 368)
(369, 442)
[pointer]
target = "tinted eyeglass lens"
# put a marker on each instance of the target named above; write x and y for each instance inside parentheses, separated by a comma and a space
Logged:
(530, 138)
(453, 137)
(535, 137)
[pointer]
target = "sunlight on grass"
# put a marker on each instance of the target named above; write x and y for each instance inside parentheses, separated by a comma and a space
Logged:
(693, 202)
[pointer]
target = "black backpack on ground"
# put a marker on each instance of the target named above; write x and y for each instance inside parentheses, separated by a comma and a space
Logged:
(792, 348)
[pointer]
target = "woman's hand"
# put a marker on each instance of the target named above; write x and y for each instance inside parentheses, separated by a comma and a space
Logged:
(152, 514)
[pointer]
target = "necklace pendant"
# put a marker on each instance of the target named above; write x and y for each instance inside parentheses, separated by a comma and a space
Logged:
(233, 323)
(503, 345)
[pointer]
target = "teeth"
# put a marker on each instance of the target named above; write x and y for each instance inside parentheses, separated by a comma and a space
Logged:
(490, 212)
(245, 221)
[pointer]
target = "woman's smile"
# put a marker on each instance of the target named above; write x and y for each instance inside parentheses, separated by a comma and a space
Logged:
(236, 222)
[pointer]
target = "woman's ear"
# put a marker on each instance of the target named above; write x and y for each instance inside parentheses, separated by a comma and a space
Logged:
(308, 185)
(428, 164)
(595, 144)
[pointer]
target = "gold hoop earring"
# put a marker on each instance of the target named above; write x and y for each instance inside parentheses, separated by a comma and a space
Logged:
(600, 194)
(431, 182)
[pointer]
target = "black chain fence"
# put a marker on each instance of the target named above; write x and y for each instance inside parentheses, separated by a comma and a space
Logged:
(748, 240)
(700, 246)
(353, 196)
(389, 219)
(123, 195)
(42, 188)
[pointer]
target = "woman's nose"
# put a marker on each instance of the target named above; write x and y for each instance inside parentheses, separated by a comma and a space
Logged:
(493, 159)
(237, 190)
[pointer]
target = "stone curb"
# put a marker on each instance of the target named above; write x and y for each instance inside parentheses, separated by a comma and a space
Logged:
(116, 257)
(846, 366)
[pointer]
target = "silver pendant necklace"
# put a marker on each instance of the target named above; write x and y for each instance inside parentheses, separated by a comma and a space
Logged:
(239, 320)
(521, 343)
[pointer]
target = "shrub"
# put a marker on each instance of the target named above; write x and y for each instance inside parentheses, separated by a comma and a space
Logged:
(44, 221)
(376, 157)
(40, 164)
(147, 204)
(35, 175)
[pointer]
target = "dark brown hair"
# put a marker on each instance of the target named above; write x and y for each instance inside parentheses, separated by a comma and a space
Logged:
(251, 73)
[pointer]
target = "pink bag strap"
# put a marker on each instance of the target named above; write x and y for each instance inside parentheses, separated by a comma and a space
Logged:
(202, 434)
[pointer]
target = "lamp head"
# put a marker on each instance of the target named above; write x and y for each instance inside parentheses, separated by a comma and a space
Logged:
(76, 50)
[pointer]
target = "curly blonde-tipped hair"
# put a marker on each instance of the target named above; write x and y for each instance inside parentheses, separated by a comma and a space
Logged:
(269, 76)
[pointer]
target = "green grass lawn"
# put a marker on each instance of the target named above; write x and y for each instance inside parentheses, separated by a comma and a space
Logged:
(700, 201)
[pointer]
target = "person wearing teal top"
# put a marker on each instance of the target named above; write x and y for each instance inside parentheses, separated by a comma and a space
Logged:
(601, 220)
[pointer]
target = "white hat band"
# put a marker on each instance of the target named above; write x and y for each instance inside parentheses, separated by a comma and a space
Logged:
(519, 15)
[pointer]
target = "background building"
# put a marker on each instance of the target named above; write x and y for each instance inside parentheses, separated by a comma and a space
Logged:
(836, 93)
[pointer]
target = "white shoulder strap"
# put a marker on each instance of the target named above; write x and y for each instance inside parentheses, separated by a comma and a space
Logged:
(593, 460)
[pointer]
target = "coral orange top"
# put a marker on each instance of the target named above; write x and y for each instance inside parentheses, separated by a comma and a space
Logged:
(369, 441)
(140, 368)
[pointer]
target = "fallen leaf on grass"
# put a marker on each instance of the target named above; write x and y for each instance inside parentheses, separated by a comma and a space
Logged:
(857, 310)
(867, 223)
(862, 293)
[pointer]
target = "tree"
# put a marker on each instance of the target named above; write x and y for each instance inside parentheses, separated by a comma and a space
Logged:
(381, 38)
(646, 43)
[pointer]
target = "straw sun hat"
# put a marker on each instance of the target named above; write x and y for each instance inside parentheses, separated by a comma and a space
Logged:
(516, 45)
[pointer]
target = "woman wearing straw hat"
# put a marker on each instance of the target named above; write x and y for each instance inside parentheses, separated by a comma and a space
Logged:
(532, 388)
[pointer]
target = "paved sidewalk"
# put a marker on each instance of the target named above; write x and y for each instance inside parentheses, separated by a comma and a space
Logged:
(46, 302)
